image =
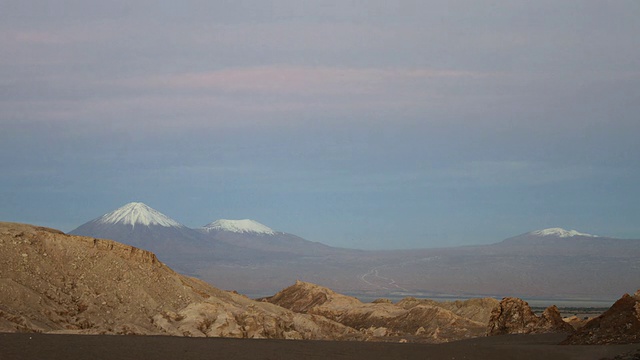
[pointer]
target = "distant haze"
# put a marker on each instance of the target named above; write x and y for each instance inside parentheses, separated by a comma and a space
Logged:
(364, 124)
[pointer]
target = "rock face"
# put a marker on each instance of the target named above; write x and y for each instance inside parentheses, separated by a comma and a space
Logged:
(551, 321)
(618, 325)
(415, 320)
(303, 297)
(514, 316)
(575, 322)
(478, 309)
(52, 282)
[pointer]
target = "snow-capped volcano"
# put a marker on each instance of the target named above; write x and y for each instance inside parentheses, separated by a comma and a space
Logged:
(141, 226)
(251, 235)
(238, 226)
(137, 213)
(550, 236)
(559, 232)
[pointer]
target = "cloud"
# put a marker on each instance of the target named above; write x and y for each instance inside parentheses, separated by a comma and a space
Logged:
(259, 91)
(44, 38)
(299, 79)
(509, 173)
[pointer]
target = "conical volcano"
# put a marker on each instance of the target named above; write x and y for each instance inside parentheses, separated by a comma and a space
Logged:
(139, 225)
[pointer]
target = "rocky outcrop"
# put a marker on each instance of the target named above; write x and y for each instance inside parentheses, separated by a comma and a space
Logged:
(436, 324)
(618, 325)
(310, 298)
(551, 321)
(575, 322)
(303, 297)
(254, 320)
(380, 320)
(514, 316)
(52, 282)
(478, 309)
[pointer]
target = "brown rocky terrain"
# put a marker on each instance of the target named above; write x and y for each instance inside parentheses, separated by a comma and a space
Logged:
(413, 319)
(56, 283)
(575, 322)
(618, 325)
(478, 309)
(52, 282)
(514, 316)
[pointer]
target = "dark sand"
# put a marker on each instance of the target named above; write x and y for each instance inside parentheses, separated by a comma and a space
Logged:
(95, 347)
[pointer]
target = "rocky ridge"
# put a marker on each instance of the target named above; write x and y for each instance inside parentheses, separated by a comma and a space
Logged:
(514, 316)
(477, 309)
(618, 325)
(52, 282)
(231, 256)
(58, 283)
(409, 319)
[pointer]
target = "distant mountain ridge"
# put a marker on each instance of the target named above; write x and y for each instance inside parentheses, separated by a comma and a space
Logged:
(253, 258)
(238, 226)
(562, 240)
(222, 241)
(559, 232)
(138, 213)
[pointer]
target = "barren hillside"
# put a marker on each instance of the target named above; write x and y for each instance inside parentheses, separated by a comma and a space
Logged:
(52, 282)
(426, 321)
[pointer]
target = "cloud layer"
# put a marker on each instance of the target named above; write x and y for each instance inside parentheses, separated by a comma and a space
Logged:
(356, 123)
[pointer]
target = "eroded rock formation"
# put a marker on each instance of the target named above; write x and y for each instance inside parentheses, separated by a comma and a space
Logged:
(416, 320)
(618, 325)
(52, 282)
(514, 316)
(478, 309)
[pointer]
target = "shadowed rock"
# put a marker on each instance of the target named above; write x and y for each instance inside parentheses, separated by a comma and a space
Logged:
(618, 325)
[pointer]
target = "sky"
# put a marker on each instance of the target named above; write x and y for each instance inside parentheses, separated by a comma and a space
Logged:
(366, 124)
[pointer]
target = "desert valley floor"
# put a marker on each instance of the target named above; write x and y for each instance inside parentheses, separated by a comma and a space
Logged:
(102, 347)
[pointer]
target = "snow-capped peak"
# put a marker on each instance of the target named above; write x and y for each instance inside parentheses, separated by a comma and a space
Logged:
(239, 226)
(559, 232)
(137, 213)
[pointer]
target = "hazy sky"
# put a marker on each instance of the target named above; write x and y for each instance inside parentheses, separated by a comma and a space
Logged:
(369, 124)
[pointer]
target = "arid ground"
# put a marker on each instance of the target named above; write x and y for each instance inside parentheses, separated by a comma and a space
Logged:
(522, 347)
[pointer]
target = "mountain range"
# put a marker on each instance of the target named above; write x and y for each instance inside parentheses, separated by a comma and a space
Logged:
(223, 242)
(257, 260)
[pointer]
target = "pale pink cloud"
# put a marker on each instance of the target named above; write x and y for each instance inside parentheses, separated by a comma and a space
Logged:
(40, 38)
(48, 37)
(299, 79)
(250, 94)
